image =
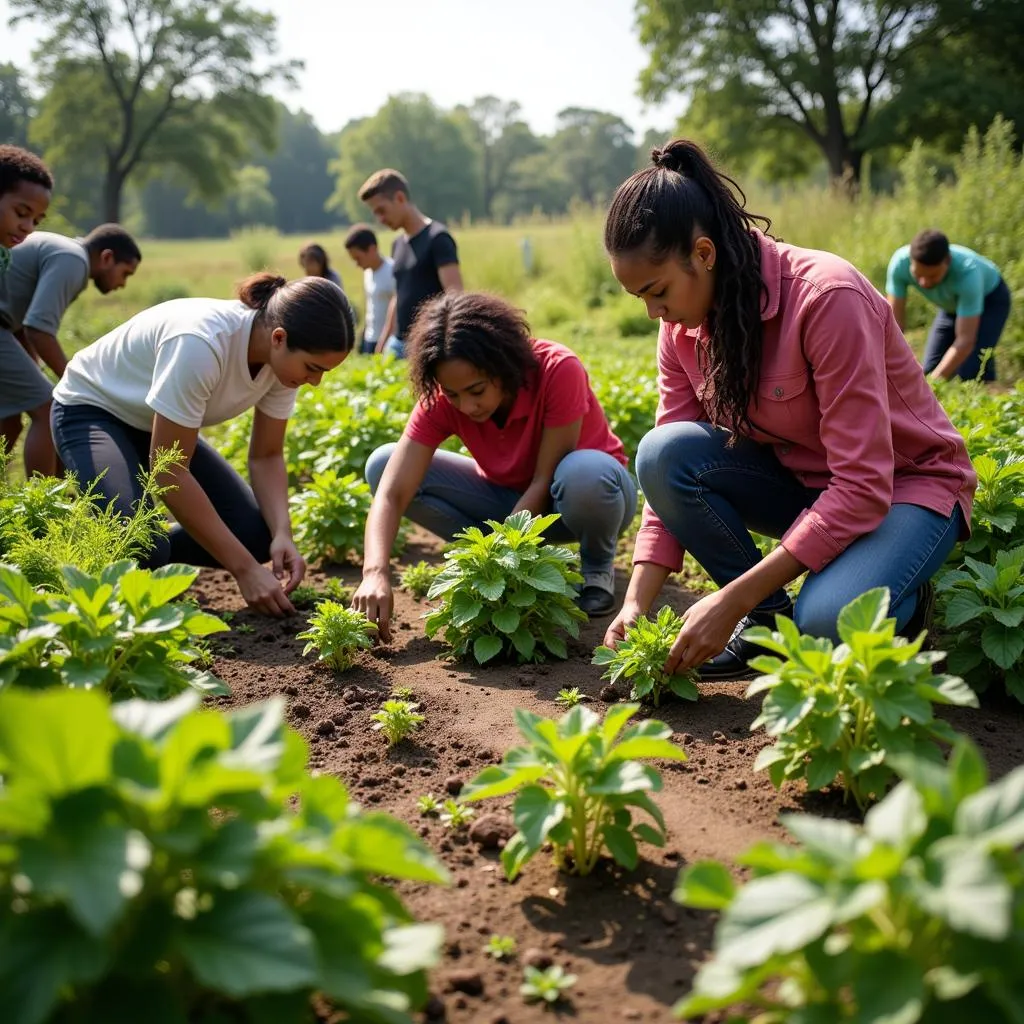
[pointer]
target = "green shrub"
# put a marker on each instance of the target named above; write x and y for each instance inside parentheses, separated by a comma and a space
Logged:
(157, 864)
(417, 579)
(337, 634)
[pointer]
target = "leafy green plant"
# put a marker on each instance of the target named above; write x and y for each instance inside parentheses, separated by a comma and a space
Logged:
(169, 860)
(329, 516)
(500, 947)
(337, 633)
(846, 710)
(640, 659)
(402, 693)
(578, 782)
(507, 592)
(547, 986)
(456, 815)
(429, 805)
(916, 915)
(568, 697)
(396, 720)
(122, 631)
(417, 579)
(306, 596)
(997, 516)
(983, 608)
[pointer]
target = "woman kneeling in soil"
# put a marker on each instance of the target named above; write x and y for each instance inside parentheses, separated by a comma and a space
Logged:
(538, 438)
(790, 404)
(151, 383)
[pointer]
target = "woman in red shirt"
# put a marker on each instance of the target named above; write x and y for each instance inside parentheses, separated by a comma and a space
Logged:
(537, 437)
(791, 405)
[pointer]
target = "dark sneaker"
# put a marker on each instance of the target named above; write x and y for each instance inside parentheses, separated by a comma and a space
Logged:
(923, 613)
(732, 663)
(597, 595)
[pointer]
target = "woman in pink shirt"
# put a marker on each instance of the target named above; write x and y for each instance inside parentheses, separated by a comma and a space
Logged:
(537, 437)
(790, 405)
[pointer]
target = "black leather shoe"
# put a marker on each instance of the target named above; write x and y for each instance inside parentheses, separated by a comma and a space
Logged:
(732, 663)
(923, 613)
(595, 601)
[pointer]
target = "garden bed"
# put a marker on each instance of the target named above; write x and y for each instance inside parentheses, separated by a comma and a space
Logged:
(633, 949)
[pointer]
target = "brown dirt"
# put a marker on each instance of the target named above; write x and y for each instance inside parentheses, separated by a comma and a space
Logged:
(633, 949)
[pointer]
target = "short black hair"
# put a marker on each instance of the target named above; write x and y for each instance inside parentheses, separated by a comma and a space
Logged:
(117, 240)
(361, 236)
(18, 165)
(929, 247)
(480, 329)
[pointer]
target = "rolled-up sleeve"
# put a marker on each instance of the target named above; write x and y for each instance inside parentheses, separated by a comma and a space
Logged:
(677, 403)
(844, 342)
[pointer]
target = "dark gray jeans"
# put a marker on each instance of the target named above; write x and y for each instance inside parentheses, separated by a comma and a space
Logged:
(92, 441)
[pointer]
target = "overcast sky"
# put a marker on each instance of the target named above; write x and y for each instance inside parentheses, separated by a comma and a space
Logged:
(547, 54)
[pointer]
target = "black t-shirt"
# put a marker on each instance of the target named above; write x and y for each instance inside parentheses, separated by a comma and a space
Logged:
(416, 261)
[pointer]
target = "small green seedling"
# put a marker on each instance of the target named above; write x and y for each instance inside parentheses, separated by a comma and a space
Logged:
(402, 693)
(568, 697)
(337, 633)
(244, 628)
(456, 815)
(417, 579)
(306, 596)
(397, 719)
(500, 947)
(429, 805)
(640, 659)
(548, 985)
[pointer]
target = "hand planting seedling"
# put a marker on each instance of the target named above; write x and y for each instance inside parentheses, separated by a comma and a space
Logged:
(578, 782)
(507, 592)
(456, 815)
(337, 633)
(500, 947)
(569, 697)
(396, 720)
(845, 711)
(914, 916)
(549, 985)
(640, 659)
(429, 805)
(417, 579)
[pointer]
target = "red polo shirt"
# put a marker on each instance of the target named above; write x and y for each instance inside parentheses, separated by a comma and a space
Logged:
(556, 394)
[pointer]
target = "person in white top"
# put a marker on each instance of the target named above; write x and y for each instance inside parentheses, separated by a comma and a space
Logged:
(378, 282)
(157, 379)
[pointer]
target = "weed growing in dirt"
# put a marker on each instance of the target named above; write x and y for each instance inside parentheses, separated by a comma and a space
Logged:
(417, 579)
(568, 697)
(170, 859)
(429, 805)
(547, 986)
(402, 693)
(845, 711)
(456, 815)
(916, 915)
(507, 592)
(396, 720)
(640, 659)
(500, 947)
(983, 608)
(123, 631)
(578, 781)
(337, 633)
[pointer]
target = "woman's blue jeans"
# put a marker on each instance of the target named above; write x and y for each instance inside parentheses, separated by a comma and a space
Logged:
(710, 496)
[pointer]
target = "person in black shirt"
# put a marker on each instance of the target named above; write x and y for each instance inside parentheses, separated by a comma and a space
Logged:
(426, 261)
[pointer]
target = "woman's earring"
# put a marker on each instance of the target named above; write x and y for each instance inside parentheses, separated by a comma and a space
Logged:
(709, 266)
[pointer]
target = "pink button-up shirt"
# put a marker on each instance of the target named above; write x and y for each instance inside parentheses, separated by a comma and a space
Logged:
(841, 400)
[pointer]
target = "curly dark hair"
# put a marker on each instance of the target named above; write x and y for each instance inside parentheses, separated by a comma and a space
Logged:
(483, 330)
(18, 165)
(661, 211)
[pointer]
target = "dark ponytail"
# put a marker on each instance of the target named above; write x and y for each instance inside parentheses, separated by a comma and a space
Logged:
(660, 212)
(314, 311)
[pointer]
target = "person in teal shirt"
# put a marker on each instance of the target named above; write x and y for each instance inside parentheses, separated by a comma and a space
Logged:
(973, 301)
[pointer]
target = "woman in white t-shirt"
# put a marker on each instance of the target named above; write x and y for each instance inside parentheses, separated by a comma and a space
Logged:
(156, 380)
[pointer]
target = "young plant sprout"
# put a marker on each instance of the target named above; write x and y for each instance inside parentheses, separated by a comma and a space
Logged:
(397, 719)
(456, 815)
(568, 697)
(417, 579)
(500, 947)
(337, 633)
(429, 805)
(548, 985)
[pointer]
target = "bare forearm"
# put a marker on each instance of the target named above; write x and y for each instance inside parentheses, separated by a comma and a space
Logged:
(746, 592)
(47, 348)
(379, 537)
(389, 327)
(953, 359)
(645, 584)
(269, 480)
(536, 498)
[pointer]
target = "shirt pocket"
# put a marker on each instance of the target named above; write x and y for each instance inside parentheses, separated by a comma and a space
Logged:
(787, 407)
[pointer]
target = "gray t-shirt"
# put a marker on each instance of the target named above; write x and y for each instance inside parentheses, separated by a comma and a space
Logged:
(379, 286)
(47, 273)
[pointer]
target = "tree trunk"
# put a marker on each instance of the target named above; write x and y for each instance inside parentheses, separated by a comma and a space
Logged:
(844, 164)
(113, 187)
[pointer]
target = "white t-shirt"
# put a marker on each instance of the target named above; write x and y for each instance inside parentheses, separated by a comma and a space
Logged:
(186, 359)
(379, 286)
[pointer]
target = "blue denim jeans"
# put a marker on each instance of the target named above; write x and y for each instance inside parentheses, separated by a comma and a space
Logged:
(709, 497)
(594, 494)
(943, 333)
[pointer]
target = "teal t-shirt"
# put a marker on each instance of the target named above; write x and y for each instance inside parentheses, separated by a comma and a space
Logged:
(962, 291)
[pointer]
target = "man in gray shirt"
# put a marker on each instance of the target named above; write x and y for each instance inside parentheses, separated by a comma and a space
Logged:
(46, 274)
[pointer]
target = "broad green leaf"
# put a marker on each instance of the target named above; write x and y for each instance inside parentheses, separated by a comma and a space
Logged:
(683, 687)
(768, 756)
(515, 854)
(1003, 644)
(968, 773)
(536, 813)
(465, 608)
(634, 746)
(382, 845)
(864, 614)
(621, 845)
(498, 780)
(968, 892)
(24, 809)
(648, 834)
(152, 719)
(707, 885)
(486, 647)
(153, 589)
(257, 736)
(60, 740)
(838, 842)
(556, 645)
(161, 620)
(411, 947)
(625, 777)
(506, 619)
(888, 989)
(524, 642)
(965, 659)
(603, 656)
(491, 589)
(898, 820)
(248, 943)
(615, 719)
(995, 814)
(524, 598)
(546, 577)
(963, 607)
(204, 624)
(822, 768)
